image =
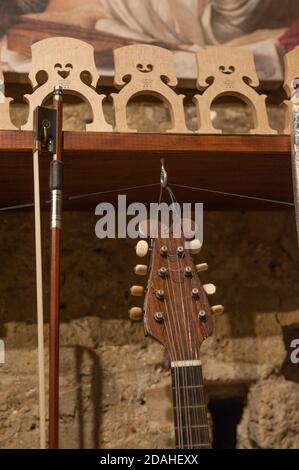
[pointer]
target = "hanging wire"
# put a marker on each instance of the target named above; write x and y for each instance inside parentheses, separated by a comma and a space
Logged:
(119, 190)
(79, 196)
(243, 196)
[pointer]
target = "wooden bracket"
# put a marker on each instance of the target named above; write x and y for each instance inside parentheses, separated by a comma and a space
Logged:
(229, 71)
(5, 122)
(146, 70)
(65, 61)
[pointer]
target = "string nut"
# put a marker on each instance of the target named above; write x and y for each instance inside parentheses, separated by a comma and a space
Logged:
(135, 314)
(195, 293)
(163, 272)
(188, 271)
(180, 251)
(202, 316)
(160, 294)
(159, 317)
(164, 250)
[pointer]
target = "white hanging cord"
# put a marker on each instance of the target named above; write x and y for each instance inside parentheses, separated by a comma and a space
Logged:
(39, 302)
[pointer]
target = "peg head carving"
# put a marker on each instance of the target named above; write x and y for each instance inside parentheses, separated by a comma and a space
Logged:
(227, 66)
(143, 63)
(63, 59)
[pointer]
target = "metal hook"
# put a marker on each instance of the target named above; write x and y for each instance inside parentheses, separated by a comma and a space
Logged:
(163, 178)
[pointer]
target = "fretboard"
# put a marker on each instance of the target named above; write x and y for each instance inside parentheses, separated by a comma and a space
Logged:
(190, 410)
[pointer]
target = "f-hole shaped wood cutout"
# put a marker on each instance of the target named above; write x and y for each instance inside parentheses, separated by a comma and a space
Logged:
(146, 70)
(291, 65)
(64, 60)
(5, 122)
(232, 73)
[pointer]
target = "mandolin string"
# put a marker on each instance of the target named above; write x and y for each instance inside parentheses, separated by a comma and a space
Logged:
(184, 370)
(199, 411)
(174, 354)
(192, 341)
(177, 369)
(202, 412)
(179, 430)
(177, 374)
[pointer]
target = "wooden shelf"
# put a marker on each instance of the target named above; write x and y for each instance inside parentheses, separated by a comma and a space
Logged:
(243, 164)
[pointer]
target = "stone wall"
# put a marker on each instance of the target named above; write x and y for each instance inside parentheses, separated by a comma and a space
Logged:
(115, 382)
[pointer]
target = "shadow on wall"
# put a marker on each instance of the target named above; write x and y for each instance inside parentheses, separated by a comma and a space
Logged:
(226, 415)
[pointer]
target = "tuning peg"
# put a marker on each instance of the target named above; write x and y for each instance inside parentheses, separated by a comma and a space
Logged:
(195, 246)
(137, 291)
(217, 309)
(142, 248)
(136, 313)
(210, 289)
(141, 270)
(201, 267)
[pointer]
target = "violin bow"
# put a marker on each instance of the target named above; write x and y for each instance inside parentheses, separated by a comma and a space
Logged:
(48, 137)
(39, 284)
(56, 186)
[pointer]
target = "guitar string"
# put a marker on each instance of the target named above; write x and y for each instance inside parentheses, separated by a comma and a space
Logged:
(192, 341)
(199, 412)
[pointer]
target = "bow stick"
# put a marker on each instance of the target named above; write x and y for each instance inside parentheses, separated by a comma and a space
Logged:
(47, 125)
(56, 186)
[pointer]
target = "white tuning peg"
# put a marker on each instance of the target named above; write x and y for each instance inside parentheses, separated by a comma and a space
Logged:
(210, 289)
(217, 309)
(141, 270)
(201, 267)
(137, 291)
(136, 313)
(142, 248)
(195, 246)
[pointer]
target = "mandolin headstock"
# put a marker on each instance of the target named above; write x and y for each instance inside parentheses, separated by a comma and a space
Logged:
(176, 310)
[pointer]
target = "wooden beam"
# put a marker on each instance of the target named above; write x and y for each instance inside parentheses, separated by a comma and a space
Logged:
(245, 164)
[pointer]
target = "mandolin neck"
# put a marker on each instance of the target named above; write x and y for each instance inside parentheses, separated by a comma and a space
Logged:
(190, 409)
